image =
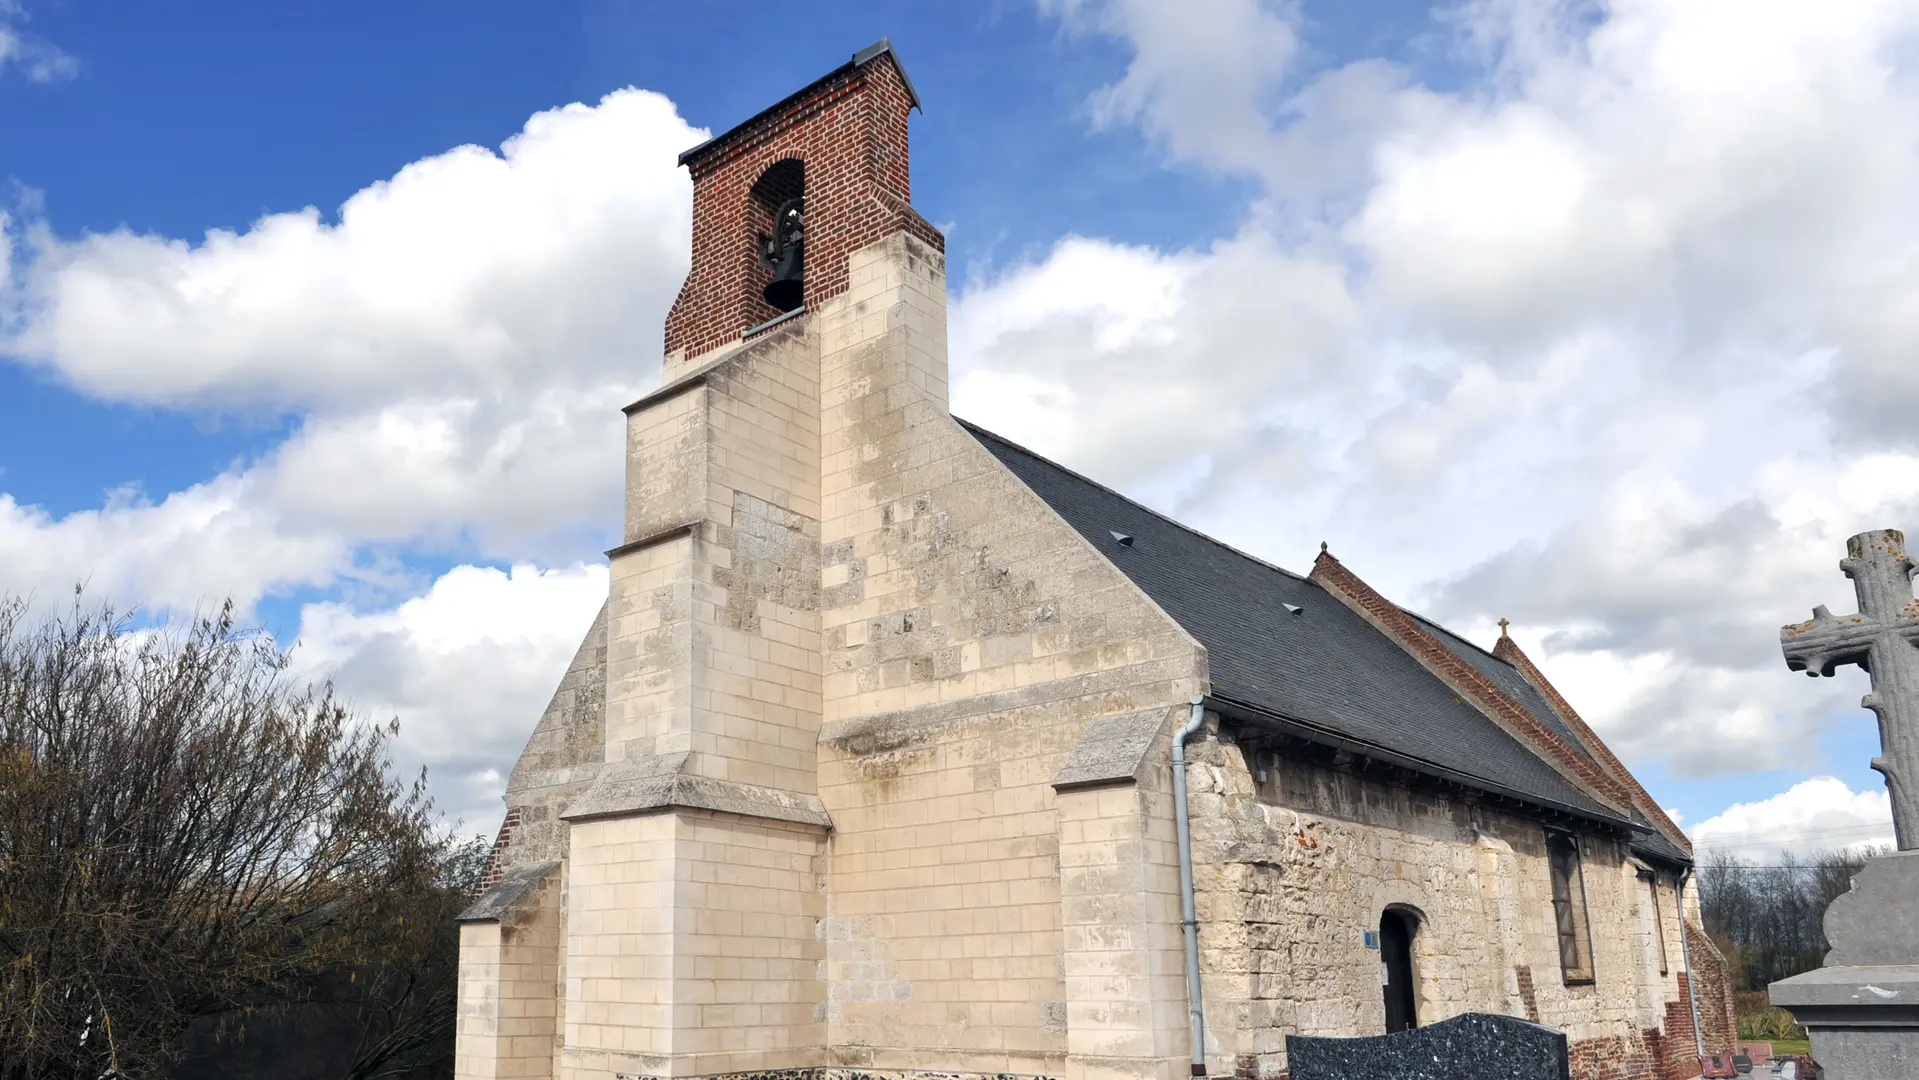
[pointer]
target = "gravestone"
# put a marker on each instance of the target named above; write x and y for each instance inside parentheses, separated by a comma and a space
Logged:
(1862, 1006)
(1478, 1045)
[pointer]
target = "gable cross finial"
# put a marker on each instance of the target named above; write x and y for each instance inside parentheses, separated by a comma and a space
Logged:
(1503, 624)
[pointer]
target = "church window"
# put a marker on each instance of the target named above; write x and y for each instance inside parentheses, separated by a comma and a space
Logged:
(1569, 909)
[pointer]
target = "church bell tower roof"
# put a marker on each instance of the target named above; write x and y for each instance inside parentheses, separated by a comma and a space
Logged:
(881, 48)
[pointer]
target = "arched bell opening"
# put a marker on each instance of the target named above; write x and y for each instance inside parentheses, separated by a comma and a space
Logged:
(777, 209)
(1397, 976)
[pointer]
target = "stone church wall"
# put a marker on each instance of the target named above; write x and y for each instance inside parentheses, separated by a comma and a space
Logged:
(1284, 904)
(877, 780)
(971, 637)
(693, 890)
(560, 760)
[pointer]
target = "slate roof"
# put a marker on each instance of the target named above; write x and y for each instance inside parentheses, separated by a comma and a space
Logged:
(1655, 844)
(1322, 667)
(1509, 680)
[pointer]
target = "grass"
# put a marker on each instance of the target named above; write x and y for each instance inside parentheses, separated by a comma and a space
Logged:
(1791, 1046)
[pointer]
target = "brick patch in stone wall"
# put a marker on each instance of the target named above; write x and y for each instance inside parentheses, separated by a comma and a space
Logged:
(490, 876)
(1524, 974)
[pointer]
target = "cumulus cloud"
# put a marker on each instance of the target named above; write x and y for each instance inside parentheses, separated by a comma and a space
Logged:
(189, 551)
(467, 666)
(470, 272)
(456, 341)
(1610, 339)
(1813, 815)
(1202, 77)
(35, 58)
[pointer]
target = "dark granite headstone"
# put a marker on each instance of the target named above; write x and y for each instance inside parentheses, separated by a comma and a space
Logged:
(1477, 1045)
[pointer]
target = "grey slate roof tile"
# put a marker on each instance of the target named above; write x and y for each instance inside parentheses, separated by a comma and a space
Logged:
(1279, 643)
(1509, 680)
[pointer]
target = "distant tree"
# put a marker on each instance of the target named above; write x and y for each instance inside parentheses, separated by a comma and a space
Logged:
(1768, 919)
(192, 841)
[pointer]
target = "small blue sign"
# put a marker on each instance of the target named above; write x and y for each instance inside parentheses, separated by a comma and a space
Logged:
(1372, 939)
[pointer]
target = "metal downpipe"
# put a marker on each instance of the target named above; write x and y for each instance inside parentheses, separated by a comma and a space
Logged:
(1189, 920)
(1685, 953)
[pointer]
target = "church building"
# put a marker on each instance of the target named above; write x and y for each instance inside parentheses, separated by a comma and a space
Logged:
(899, 751)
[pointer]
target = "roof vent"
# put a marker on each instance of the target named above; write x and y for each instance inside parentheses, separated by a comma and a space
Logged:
(1294, 608)
(1124, 540)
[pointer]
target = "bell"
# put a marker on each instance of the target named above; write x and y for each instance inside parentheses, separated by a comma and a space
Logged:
(785, 252)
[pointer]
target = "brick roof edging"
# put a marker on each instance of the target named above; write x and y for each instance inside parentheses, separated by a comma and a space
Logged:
(1458, 676)
(1508, 650)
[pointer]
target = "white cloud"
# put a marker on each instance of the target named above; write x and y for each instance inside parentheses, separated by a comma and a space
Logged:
(1202, 76)
(1612, 340)
(36, 59)
(468, 667)
(1813, 815)
(466, 273)
(457, 343)
(191, 550)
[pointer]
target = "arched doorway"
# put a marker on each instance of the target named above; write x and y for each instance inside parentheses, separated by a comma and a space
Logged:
(1396, 929)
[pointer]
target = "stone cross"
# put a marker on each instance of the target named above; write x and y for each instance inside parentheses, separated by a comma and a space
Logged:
(1882, 640)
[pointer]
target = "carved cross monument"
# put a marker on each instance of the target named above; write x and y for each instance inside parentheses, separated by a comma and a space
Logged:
(1882, 638)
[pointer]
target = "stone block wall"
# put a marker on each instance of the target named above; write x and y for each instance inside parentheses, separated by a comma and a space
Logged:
(692, 947)
(1284, 904)
(1120, 936)
(714, 624)
(692, 942)
(970, 637)
(561, 759)
(509, 1003)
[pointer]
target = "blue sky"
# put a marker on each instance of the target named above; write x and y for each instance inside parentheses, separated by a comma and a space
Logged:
(1486, 295)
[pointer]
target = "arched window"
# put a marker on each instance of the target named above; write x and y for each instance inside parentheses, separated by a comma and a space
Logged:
(1396, 930)
(777, 211)
(1569, 909)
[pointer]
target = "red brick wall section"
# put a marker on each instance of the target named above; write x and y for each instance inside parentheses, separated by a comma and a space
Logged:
(491, 873)
(1508, 650)
(1679, 1051)
(1527, 995)
(849, 134)
(1712, 981)
(1464, 680)
(1651, 1055)
(1618, 1057)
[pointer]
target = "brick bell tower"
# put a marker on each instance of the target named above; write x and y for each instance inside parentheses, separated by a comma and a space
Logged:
(674, 887)
(839, 146)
